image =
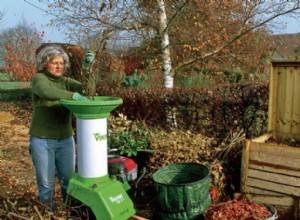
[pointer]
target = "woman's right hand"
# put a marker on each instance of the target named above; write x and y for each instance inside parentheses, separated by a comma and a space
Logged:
(76, 96)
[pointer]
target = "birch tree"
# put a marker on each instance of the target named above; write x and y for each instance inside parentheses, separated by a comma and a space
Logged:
(165, 46)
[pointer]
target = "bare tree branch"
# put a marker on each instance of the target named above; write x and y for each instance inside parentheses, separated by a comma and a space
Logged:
(241, 32)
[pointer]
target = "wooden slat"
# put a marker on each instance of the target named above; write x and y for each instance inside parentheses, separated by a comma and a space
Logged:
(265, 167)
(285, 63)
(244, 167)
(287, 207)
(287, 91)
(258, 191)
(275, 161)
(295, 127)
(275, 149)
(276, 187)
(287, 201)
(287, 136)
(284, 209)
(279, 103)
(274, 177)
(272, 98)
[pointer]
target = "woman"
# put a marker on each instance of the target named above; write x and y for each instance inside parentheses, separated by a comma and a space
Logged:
(51, 143)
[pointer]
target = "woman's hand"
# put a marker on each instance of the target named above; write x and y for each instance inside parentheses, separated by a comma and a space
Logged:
(76, 96)
(89, 59)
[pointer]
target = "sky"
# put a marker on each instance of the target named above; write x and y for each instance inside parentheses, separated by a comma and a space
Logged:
(15, 9)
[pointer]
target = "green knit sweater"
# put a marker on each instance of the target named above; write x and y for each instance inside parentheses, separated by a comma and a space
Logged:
(50, 119)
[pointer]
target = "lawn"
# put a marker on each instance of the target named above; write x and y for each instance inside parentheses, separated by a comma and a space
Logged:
(13, 89)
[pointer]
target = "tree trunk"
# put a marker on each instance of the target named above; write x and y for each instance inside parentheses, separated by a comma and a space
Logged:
(166, 59)
(165, 46)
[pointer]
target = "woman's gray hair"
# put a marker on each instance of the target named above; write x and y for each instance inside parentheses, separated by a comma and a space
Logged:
(48, 53)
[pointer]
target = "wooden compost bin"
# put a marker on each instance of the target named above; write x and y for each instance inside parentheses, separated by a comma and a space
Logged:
(270, 171)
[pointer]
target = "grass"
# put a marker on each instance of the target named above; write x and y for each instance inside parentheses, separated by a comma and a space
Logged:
(12, 89)
(4, 77)
(12, 85)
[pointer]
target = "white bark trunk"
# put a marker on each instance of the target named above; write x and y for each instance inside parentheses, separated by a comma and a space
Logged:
(166, 59)
(165, 46)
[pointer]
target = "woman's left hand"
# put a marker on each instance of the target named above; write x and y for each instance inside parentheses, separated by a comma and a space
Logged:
(89, 59)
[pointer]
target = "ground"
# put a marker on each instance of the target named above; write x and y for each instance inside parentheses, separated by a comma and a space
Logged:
(17, 179)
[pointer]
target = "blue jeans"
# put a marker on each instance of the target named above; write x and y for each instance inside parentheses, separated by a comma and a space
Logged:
(49, 156)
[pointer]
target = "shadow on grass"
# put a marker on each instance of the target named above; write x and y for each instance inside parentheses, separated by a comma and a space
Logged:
(15, 94)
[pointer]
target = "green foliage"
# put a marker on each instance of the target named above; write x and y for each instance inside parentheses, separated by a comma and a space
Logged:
(111, 80)
(192, 80)
(134, 80)
(233, 75)
(128, 137)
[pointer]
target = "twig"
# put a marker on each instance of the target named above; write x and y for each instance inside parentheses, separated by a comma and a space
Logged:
(12, 214)
(137, 217)
(5, 205)
(13, 204)
(38, 212)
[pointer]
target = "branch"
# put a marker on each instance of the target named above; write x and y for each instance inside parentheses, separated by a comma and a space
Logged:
(38, 212)
(14, 215)
(240, 33)
(175, 15)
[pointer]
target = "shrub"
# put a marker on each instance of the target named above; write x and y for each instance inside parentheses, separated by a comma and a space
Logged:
(127, 137)
(134, 80)
(19, 53)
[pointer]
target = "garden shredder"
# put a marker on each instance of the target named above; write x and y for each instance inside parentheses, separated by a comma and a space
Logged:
(92, 184)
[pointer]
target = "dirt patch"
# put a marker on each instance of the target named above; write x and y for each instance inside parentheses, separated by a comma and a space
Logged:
(16, 170)
(17, 177)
